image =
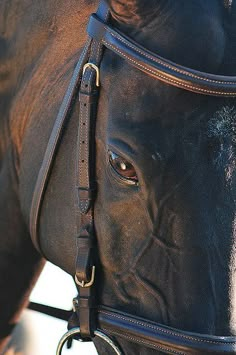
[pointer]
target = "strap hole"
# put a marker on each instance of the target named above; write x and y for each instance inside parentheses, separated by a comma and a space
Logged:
(83, 142)
(83, 124)
(85, 105)
(82, 160)
(86, 85)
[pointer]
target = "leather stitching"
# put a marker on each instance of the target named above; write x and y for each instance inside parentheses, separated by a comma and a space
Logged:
(159, 61)
(167, 331)
(165, 79)
(84, 131)
(136, 340)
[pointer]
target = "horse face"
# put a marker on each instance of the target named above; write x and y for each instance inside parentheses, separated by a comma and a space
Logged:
(165, 165)
(165, 211)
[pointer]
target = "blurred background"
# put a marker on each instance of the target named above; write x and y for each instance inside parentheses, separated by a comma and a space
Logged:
(39, 334)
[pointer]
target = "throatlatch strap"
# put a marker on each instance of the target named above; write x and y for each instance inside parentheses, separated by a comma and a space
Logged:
(85, 264)
(50, 153)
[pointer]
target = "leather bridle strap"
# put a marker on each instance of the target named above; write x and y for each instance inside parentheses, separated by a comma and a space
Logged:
(159, 337)
(53, 143)
(83, 78)
(86, 258)
(158, 67)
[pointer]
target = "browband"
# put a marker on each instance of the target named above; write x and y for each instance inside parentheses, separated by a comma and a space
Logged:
(158, 67)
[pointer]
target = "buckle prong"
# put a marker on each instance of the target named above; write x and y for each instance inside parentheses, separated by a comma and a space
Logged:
(82, 283)
(91, 65)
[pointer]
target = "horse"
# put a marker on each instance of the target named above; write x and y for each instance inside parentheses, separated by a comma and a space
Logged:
(164, 213)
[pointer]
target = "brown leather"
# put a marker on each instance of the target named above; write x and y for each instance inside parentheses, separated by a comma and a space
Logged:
(158, 67)
(54, 140)
(88, 96)
(159, 337)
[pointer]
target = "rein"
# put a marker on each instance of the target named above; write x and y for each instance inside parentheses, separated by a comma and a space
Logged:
(104, 322)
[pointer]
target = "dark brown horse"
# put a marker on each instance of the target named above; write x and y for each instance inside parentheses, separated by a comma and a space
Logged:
(165, 166)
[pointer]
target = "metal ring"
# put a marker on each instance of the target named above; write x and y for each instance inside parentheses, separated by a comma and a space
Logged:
(98, 333)
(109, 341)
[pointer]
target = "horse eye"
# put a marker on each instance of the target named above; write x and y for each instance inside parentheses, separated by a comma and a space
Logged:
(123, 167)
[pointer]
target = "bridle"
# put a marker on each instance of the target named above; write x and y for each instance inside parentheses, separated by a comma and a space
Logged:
(96, 320)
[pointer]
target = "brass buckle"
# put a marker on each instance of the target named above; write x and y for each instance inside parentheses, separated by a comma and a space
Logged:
(91, 65)
(76, 331)
(83, 283)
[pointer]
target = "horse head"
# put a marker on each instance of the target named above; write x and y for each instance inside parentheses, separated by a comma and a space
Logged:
(165, 210)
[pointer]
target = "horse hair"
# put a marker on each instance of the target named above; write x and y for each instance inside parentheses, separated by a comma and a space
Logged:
(228, 3)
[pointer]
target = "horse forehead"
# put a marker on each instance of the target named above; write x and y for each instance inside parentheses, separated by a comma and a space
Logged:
(179, 31)
(176, 36)
(138, 101)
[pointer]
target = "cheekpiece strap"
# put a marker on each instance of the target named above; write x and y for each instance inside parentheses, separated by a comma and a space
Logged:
(52, 147)
(86, 186)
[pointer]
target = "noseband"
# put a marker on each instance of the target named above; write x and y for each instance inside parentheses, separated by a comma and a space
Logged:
(101, 321)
